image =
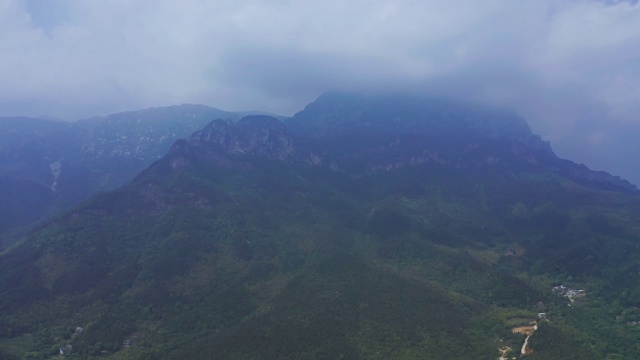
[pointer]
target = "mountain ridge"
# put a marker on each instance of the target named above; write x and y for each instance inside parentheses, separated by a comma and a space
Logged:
(471, 144)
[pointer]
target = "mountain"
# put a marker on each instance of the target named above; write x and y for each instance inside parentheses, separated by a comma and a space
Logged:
(376, 238)
(437, 131)
(48, 166)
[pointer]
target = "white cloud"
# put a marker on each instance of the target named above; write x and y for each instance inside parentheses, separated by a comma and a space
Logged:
(564, 64)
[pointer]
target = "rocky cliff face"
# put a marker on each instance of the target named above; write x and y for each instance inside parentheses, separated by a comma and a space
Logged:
(256, 135)
(223, 142)
(362, 135)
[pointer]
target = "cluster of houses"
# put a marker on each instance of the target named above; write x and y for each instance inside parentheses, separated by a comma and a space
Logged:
(66, 350)
(571, 294)
(630, 313)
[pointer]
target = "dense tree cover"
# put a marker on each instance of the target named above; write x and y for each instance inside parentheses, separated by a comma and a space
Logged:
(279, 263)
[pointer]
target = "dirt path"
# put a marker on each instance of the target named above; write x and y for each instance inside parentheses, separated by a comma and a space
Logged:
(527, 330)
(503, 352)
(524, 350)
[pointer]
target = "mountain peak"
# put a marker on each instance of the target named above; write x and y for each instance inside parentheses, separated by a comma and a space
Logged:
(336, 113)
(424, 129)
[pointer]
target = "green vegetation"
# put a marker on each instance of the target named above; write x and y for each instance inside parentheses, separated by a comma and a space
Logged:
(275, 263)
(238, 257)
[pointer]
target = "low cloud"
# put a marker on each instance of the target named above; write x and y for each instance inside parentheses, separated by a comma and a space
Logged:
(569, 66)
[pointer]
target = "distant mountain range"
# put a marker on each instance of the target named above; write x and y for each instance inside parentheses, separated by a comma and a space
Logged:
(364, 227)
(48, 166)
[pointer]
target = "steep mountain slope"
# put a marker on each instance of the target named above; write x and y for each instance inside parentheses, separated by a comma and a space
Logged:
(48, 166)
(252, 240)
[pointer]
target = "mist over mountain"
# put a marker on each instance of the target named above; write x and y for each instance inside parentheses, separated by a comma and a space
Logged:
(440, 131)
(364, 227)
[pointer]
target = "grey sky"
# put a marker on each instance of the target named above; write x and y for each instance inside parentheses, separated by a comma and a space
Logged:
(571, 67)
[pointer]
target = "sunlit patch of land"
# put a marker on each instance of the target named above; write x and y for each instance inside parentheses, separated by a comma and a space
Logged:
(528, 331)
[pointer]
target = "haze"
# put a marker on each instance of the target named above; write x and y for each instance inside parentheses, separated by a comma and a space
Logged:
(570, 67)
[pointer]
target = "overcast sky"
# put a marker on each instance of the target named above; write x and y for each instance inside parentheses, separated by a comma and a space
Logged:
(570, 67)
